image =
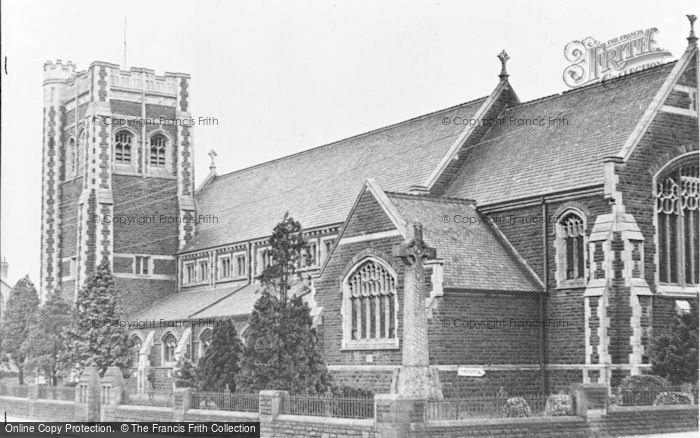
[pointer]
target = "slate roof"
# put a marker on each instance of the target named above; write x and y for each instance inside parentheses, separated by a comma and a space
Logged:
(474, 254)
(238, 303)
(318, 186)
(209, 303)
(514, 162)
(183, 305)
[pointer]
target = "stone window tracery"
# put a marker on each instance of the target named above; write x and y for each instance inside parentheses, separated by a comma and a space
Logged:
(370, 305)
(169, 346)
(677, 196)
(122, 147)
(158, 148)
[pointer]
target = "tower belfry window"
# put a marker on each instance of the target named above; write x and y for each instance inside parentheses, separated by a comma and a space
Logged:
(122, 147)
(158, 148)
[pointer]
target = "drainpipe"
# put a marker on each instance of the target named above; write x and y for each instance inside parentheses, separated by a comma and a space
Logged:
(545, 279)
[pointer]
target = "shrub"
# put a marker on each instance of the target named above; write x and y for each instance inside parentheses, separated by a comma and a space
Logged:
(515, 407)
(350, 392)
(558, 405)
(673, 398)
(639, 390)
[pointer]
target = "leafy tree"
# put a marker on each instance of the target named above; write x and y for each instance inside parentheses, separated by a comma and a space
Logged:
(47, 340)
(185, 373)
(281, 349)
(221, 362)
(97, 338)
(675, 354)
(22, 305)
(287, 246)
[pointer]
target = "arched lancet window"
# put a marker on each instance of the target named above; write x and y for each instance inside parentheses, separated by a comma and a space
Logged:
(570, 248)
(122, 147)
(81, 151)
(572, 233)
(677, 195)
(70, 158)
(204, 341)
(370, 305)
(136, 345)
(169, 345)
(158, 149)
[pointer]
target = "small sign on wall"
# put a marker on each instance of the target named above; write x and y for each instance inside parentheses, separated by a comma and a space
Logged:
(470, 372)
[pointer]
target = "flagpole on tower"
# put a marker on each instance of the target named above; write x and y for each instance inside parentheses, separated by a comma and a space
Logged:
(124, 42)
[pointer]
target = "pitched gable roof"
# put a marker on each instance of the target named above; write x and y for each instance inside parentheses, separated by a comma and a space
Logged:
(515, 161)
(475, 255)
(318, 186)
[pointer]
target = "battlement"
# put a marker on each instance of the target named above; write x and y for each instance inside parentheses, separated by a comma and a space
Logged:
(135, 79)
(58, 70)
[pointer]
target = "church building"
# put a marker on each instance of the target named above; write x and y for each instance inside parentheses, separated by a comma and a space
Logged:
(565, 228)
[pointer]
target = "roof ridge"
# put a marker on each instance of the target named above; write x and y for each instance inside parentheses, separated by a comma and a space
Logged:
(429, 197)
(596, 84)
(352, 137)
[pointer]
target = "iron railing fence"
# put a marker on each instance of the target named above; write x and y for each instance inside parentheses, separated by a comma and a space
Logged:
(339, 407)
(65, 393)
(225, 401)
(14, 390)
(161, 399)
(499, 406)
(670, 395)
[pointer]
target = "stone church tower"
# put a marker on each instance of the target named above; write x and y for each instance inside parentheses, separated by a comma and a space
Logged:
(117, 179)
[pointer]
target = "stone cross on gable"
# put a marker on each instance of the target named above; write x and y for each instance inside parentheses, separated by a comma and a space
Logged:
(212, 155)
(415, 377)
(692, 38)
(503, 57)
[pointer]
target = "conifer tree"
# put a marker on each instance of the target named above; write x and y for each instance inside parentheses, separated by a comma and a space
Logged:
(47, 340)
(288, 247)
(221, 361)
(97, 338)
(675, 354)
(21, 309)
(281, 350)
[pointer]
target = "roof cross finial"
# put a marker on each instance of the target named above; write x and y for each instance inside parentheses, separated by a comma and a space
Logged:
(692, 38)
(212, 154)
(503, 57)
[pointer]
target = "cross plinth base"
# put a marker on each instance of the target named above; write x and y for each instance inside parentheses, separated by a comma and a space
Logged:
(418, 381)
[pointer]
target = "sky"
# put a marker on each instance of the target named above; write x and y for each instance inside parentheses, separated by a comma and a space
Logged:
(282, 77)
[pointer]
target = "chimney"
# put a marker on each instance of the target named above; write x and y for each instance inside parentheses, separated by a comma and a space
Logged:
(4, 267)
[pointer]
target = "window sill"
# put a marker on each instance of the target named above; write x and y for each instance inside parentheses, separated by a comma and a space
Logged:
(229, 279)
(160, 172)
(576, 283)
(373, 344)
(674, 290)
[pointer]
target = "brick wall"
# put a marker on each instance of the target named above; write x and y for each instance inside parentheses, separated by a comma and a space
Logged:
(522, 226)
(509, 335)
(129, 413)
(46, 410)
(297, 426)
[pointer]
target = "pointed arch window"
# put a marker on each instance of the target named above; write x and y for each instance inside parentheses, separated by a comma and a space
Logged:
(370, 306)
(136, 345)
(122, 147)
(169, 346)
(570, 245)
(81, 152)
(159, 145)
(677, 194)
(204, 341)
(70, 158)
